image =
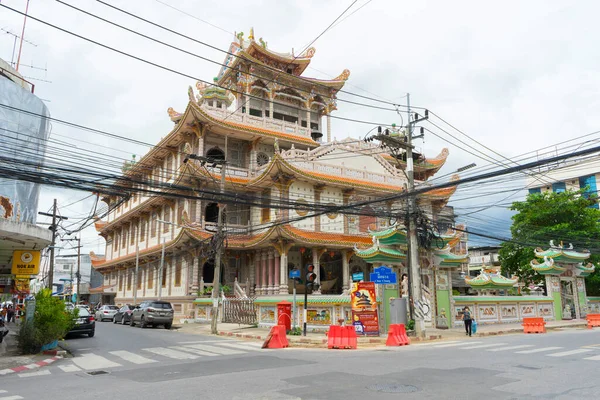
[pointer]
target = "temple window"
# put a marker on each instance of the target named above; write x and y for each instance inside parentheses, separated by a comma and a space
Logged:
(262, 159)
(166, 218)
(142, 229)
(153, 224)
(129, 273)
(116, 242)
(219, 104)
(216, 154)
(178, 272)
(124, 238)
(211, 214)
(132, 234)
(266, 207)
(150, 274)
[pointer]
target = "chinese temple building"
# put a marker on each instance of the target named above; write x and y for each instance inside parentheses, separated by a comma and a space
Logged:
(273, 127)
(565, 272)
(490, 281)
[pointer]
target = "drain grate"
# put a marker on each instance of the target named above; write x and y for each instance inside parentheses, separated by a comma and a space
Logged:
(393, 388)
(94, 373)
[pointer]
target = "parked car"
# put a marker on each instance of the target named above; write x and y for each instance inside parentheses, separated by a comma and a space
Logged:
(106, 312)
(84, 323)
(124, 314)
(153, 313)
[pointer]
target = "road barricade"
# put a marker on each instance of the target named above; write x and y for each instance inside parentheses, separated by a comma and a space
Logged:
(397, 336)
(276, 339)
(534, 325)
(341, 337)
(593, 320)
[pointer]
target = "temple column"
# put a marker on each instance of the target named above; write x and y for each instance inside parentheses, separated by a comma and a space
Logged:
(328, 128)
(283, 262)
(201, 145)
(316, 261)
(256, 259)
(271, 106)
(345, 271)
(318, 189)
(195, 275)
(263, 266)
(308, 119)
(271, 265)
(276, 273)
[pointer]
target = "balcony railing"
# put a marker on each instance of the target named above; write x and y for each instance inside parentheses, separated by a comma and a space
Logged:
(263, 122)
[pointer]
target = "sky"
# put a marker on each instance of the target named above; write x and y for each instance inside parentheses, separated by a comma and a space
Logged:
(514, 76)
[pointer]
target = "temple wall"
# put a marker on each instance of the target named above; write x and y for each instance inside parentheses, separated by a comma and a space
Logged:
(502, 309)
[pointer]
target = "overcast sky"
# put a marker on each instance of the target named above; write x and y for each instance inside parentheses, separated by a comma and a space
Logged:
(513, 75)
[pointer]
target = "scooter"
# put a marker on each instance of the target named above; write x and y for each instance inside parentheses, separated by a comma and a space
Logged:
(3, 330)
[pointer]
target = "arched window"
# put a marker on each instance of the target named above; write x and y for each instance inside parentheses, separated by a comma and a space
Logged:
(216, 154)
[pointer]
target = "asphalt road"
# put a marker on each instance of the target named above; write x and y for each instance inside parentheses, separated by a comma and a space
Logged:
(131, 363)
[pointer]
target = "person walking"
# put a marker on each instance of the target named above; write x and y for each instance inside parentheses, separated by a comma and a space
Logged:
(11, 314)
(466, 316)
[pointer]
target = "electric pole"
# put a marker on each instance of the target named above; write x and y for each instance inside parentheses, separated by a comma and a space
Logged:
(218, 243)
(53, 228)
(395, 142)
(78, 273)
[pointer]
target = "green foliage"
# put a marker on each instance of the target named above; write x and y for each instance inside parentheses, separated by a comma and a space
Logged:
(542, 217)
(410, 325)
(51, 321)
(295, 331)
(207, 291)
(455, 292)
(226, 289)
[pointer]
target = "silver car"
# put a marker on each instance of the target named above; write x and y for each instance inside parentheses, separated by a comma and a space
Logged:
(153, 313)
(106, 313)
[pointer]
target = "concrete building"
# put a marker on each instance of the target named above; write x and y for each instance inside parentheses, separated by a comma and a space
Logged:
(24, 130)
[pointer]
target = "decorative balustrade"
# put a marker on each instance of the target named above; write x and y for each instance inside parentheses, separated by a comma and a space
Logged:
(263, 122)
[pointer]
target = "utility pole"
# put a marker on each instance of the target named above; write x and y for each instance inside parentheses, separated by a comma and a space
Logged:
(53, 228)
(395, 142)
(137, 266)
(160, 269)
(78, 273)
(218, 245)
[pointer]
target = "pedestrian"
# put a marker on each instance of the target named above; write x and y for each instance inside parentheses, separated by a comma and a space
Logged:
(466, 316)
(4, 313)
(11, 314)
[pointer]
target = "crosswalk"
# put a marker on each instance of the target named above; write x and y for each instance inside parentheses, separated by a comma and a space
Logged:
(184, 351)
(549, 351)
(5, 395)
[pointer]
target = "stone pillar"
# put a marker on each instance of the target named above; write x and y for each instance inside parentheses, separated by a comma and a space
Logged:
(345, 271)
(316, 261)
(257, 282)
(271, 265)
(276, 273)
(263, 266)
(328, 128)
(283, 289)
(318, 190)
(201, 145)
(271, 106)
(195, 276)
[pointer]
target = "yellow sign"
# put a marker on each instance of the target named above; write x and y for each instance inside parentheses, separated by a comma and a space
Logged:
(26, 262)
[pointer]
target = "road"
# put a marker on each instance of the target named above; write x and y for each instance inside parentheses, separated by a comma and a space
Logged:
(132, 363)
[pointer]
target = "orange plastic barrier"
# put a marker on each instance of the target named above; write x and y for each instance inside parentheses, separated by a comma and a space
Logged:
(341, 337)
(397, 336)
(593, 320)
(276, 339)
(534, 325)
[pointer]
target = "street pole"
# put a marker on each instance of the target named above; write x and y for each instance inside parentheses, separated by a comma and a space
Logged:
(415, 279)
(135, 278)
(294, 311)
(78, 276)
(160, 269)
(218, 250)
(52, 245)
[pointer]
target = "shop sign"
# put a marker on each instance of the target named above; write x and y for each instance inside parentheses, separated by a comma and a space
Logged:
(26, 262)
(364, 309)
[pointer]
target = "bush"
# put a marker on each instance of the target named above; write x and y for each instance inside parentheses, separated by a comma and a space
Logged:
(297, 331)
(410, 325)
(51, 321)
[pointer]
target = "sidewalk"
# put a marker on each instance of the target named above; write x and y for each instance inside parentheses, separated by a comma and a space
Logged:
(311, 339)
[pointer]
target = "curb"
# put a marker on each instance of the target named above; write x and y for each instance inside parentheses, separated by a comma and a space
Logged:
(29, 367)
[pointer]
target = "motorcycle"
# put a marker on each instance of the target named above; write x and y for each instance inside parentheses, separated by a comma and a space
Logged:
(3, 330)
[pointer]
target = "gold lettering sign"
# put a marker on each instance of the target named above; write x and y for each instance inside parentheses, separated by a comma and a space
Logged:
(26, 262)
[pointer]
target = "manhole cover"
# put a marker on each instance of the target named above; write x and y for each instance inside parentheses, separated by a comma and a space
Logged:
(93, 373)
(393, 388)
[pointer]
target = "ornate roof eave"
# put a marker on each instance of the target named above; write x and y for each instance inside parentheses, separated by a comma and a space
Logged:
(377, 253)
(394, 235)
(559, 254)
(200, 114)
(585, 270)
(548, 267)
(279, 164)
(449, 259)
(301, 60)
(491, 279)
(427, 167)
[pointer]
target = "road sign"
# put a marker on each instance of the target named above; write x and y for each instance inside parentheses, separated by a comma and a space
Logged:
(383, 275)
(294, 274)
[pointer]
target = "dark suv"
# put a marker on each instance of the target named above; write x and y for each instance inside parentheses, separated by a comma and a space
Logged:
(153, 313)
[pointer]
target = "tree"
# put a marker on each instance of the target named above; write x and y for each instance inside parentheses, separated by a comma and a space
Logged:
(568, 217)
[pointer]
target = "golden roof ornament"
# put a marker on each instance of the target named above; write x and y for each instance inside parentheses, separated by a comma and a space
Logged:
(251, 36)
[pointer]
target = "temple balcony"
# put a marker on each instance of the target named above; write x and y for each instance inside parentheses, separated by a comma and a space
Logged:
(262, 122)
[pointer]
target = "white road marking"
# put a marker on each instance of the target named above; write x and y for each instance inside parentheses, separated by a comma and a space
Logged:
(191, 350)
(483, 346)
(594, 358)
(569, 353)
(11, 398)
(243, 346)
(177, 355)
(2, 391)
(439, 346)
(69, 368)
(92, 361)
(538, 350)
(37, 373)
(522, 346)
(215, 349)
(132, 357)
(442, 343)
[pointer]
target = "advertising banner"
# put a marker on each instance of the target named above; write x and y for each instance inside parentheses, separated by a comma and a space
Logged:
(364, 309)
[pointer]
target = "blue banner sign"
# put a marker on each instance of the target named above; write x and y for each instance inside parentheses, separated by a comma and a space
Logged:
(383, 275)
(358, 276)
